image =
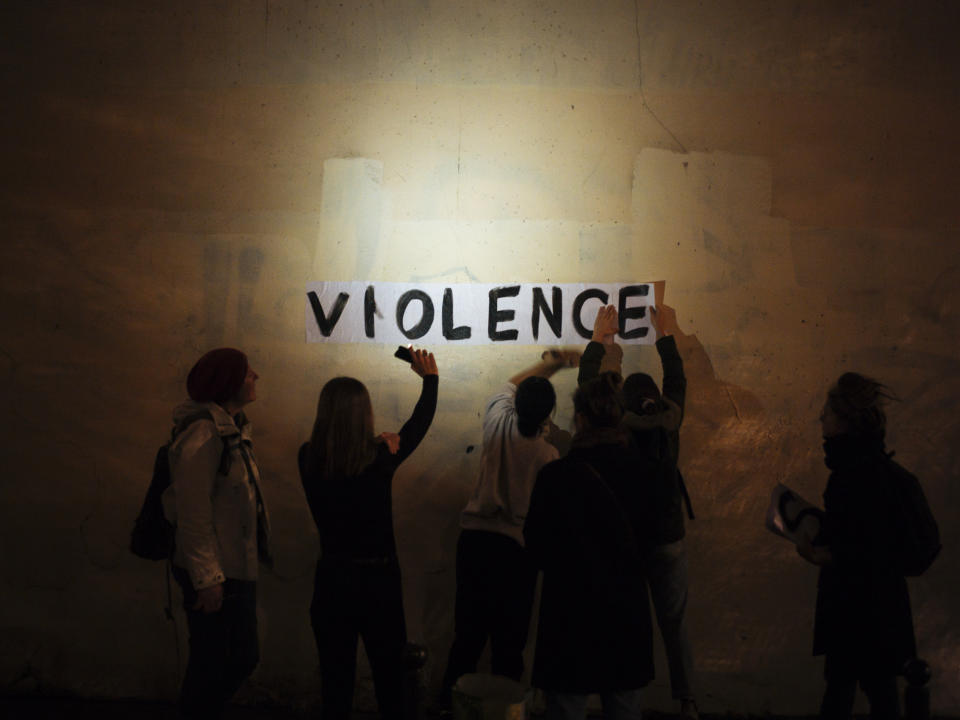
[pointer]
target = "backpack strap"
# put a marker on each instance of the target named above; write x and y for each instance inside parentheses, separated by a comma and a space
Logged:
(225, 459)
(664, 451)
(189, 420)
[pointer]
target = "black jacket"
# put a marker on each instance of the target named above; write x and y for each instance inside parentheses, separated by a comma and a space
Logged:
(594, 632)
(863, 617)
(354, 515)
(653, 433)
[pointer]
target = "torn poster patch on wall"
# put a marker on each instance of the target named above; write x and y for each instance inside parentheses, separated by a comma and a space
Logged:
(473, 313)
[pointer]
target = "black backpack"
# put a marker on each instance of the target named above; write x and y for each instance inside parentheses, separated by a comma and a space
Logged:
(655, 445)
(153, 535)
(918, 537)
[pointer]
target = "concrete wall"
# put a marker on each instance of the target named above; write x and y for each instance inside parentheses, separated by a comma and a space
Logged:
(170, 183)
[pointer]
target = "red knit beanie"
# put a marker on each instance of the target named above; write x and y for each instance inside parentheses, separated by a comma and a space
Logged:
(217, 376)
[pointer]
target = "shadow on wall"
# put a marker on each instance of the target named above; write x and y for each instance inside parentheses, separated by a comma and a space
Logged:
(718, 414)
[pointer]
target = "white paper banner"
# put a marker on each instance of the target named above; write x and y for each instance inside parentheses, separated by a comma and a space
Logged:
(473, 313)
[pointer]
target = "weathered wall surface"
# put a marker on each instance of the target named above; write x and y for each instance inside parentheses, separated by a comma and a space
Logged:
(173, 174)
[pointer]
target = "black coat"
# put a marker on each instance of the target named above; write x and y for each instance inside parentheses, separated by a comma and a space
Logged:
(594, 632)
(652, 433)
(863, 619)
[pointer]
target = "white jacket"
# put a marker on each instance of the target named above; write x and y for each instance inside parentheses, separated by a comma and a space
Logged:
(215, 515)
(508, 470)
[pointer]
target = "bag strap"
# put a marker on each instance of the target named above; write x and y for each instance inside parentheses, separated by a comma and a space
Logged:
(631, 537)
(225, 459)
(664, 450)
(189, 420)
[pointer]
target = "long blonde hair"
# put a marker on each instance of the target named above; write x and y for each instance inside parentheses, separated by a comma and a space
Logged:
(342, 442)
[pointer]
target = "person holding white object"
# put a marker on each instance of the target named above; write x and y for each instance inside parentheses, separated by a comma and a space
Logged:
(863, 623)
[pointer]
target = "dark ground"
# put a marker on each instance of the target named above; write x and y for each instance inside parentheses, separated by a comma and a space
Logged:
(36, 708)
(43, 708)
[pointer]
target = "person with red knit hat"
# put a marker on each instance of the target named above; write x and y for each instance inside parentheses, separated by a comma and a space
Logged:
(222, 529)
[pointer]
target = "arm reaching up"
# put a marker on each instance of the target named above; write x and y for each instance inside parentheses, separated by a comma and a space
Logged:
(605, 328)
(550, 362)
(414, 430)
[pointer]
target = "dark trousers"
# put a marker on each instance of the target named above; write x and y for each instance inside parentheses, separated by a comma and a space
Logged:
(351, 600)
(495, 586)
(224, 647)
(842, 677)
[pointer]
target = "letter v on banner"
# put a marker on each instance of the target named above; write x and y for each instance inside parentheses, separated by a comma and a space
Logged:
(475, 313)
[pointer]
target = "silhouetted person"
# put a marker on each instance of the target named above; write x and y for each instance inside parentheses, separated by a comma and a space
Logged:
(221, 529)
(863, 622)
(495, 578)
(653, 419)
(585, 516)
(347, 475)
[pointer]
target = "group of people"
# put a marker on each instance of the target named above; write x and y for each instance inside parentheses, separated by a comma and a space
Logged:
(604, 523)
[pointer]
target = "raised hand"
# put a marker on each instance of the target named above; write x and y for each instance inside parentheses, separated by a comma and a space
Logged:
(423, 363)
(606, 326)
(663, 319)
(561, 358)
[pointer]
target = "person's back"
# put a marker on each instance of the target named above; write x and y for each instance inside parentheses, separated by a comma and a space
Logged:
(347, 473)
(653, 419)
(594, 633)
(509, 464)
(594, 630)
(650, 435)
(353, 514)
(495, 579)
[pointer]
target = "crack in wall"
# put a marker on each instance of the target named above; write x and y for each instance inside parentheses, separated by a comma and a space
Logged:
(643, 97)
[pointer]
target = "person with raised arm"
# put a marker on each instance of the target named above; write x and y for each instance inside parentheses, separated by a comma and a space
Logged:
(347, 475)
(495, 578)
(653, 419)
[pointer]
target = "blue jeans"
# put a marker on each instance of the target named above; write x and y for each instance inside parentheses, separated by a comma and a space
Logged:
(667, 579)
(620, 705)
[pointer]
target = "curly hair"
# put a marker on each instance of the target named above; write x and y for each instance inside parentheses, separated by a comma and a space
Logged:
(600, 401)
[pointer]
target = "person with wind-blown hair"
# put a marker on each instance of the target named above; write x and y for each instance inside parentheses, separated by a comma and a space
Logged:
(863, 622)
